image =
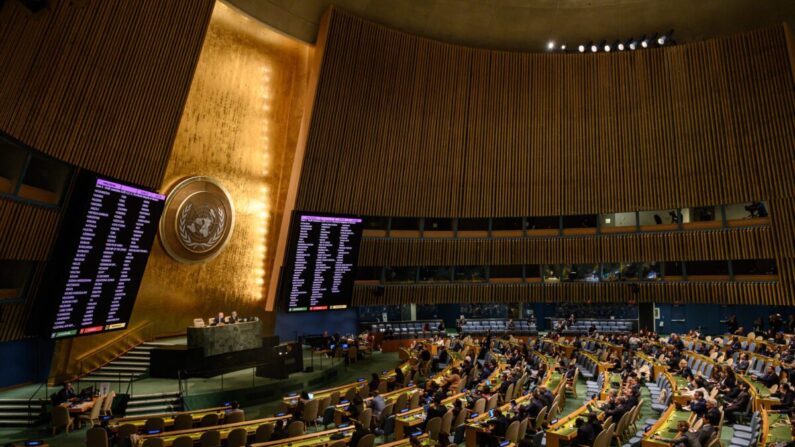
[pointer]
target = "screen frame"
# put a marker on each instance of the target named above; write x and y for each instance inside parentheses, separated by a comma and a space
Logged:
(44, 310)
(288, 263)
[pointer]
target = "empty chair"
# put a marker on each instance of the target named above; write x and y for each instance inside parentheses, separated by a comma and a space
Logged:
(366, 417)
(309, 414)
(93, 416)
(447, 422)
(155, 442)
(296, 428)
(238, 416)
(183, 441)
(155, 424)
(237, 438)
(123, 436)
(264, 433)
(183, 422)
(432, 427)
(61, 419)
(480, 406)
(367, 440)
(522, 429)
(492, 403)
(96, 437)
(210, 438)
(512, 433)
(107, 404)
(209, 420)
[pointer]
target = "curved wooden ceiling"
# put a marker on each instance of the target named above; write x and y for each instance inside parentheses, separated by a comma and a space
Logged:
(530, 24)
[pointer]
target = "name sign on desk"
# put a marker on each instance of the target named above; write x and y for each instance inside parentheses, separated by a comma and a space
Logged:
(94, 273)
(321, 263)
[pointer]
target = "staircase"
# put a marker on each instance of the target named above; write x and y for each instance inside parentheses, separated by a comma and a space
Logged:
(132, 365)
(21, 412)
(142, 404)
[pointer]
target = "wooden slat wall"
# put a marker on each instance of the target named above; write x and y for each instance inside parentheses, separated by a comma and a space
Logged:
(97, 84)
(103, 85)
(407, 126)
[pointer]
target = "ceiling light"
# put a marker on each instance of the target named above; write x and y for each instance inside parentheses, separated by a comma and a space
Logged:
(594, 48)
(607, 48)
(551, 45)
(620, 46)
(563, 47)
(581, 48)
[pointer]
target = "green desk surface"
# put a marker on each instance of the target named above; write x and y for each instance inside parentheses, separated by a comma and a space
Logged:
(780, 428)
(668, 429)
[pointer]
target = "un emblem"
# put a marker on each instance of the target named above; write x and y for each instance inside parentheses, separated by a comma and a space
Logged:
(197, 221)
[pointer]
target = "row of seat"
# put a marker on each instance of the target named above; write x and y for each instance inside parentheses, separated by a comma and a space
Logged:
(603, 326)
(661, 393)
(498, 326)
(757, 364)
(408, 329)
(586, 364)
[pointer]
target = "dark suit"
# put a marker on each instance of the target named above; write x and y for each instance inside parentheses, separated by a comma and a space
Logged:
(769, 379)
(585, 435)
(696, 439)
(699, 407)
(357, 435)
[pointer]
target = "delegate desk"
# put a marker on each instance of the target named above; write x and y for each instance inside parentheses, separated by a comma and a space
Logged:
(776, 428)
(565, 429)
(479, 423)
(168, 418)
(665, 427)
(216, 340)
(760, 393)
(195, 433)
(317, 439)
(342, 409)
(407, 421)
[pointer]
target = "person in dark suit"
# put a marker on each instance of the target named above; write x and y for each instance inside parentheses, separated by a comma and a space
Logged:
(698, 405)
(742, 364)
(713, 412)
(786, 398)
(66, 394)
(233, 318)
(585, 434)
(738, 404)
(218, 320)
(769, 378)
(596, 425)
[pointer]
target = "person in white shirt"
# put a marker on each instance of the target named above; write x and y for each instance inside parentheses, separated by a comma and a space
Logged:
(377, 404)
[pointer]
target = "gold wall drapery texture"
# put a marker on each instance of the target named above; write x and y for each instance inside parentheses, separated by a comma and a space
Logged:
(407, 126)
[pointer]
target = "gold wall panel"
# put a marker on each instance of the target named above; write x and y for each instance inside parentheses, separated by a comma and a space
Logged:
(240, 126)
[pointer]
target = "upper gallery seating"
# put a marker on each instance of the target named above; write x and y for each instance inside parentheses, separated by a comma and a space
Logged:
(408, 329)
(497, 326)
(602, 326)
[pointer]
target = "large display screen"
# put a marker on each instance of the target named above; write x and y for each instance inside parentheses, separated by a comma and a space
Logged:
(321, 261)
(93, 275)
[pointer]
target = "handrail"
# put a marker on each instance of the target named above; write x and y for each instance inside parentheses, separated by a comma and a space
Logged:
(112, 342)
(32, 396)
(105, 353)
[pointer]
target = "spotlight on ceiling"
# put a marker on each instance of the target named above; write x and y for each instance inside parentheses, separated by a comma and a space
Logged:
(619, 46)
(665, 38)
(581, 48)
(551, 45)
(563, 47)
(644, 42)
(633, 44)
(607, 48)
(594, 48)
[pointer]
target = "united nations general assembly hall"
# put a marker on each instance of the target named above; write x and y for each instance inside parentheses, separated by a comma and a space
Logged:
(397, 223)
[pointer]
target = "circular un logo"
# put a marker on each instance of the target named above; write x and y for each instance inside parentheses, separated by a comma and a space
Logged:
(197, 221)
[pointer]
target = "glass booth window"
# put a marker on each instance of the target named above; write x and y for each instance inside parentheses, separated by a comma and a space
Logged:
(552, 273)
(585, 273)
(701, 214)
(470, 273)
(368, 273)
(671, 270)
(505, 271)
(707, 268)
(582, 221)
(659, 217)
(473, 224)
(435, 274)
(543, 223)
(615, 220)
(12, 161)
(507, 223)
(438, 224)
(753, 267)
(375, 223)
(739, 211)
(405, 223)
(401, 274)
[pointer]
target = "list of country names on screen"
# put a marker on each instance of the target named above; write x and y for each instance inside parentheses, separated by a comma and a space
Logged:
(325, 254)
(111, 252)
